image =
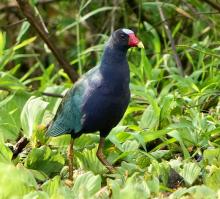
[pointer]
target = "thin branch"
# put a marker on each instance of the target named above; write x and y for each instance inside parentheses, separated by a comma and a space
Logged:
(135, 7)
(169, 34)
(20, 145)
(5, 27)
(198, 50)
(36, 22)
(5, 89)
(212, 4)
(13, 4)
(115, 4)
(198, 14)
(52, 95)
(42, 93)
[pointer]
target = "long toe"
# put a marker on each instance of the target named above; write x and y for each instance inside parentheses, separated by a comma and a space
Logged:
(101, 156)
(70, 159)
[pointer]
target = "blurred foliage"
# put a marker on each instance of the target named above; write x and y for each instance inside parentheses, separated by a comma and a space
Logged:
(167, 144)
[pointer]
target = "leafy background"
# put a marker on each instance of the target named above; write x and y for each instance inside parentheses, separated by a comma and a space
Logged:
(167, 144)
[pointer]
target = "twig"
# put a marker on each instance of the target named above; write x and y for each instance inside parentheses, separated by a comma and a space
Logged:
(5, 89)
(20, 145)
(35, 21)
(52, 95)
(198, 50)
(169, 34)
(115, 4)
(43, 93)
(13, 4)
(212, 4)
(199, 14)
(208, 13)
(135, 7)
(12, 24)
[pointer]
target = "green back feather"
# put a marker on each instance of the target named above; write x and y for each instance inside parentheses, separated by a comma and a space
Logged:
(68, 116)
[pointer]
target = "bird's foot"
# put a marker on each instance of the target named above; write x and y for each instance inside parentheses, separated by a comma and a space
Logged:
(68, 182)
(110, 168)
(70, 160)
(100, 155)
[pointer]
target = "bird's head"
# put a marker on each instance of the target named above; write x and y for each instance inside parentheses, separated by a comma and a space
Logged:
(125, 38)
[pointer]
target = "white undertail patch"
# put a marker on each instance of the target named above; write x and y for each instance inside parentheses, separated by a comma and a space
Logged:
(127, 31)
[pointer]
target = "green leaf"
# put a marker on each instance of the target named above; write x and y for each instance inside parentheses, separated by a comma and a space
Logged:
(155, 39)
(145, 65)
(176, 134)
(2, 42)
(212, 157)
(10, 82)
(43, 159)
(212, 179)
(114, 186)
(5, 152)
(88, 161)
(8, 126)
(135, 187)
(154, 185)
(113, 136)
(39, 175)
(88, 15)
(190, 172)
(199, 191)
(151, 115)
(166, 106)
(167, 5)
(10, 110)
(55, 188)
(52, 186)
(31, 115)
(24, 43)
(152, 135)
(140, 139)
(25, 26)
(86, 185)
(17, 181)
(37, 195)
(130, 145)
(149, 119)
(86, 141)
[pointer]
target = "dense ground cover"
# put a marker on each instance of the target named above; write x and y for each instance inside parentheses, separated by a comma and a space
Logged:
(167, 144)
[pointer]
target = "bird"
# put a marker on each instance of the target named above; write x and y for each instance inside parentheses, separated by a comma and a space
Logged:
(99, 99)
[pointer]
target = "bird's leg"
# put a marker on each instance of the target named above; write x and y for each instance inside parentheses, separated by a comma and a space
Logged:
(70, 159)
(101, 156)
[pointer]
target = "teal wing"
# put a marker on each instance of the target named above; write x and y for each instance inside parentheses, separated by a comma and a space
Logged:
(68, 116)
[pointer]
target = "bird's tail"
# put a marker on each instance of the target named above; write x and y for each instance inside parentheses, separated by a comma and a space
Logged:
(54, 130)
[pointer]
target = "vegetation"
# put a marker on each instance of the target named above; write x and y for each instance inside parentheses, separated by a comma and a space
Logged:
(167, 144)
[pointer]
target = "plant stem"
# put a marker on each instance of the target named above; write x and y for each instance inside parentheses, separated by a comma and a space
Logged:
(169, 34)
(37, 24)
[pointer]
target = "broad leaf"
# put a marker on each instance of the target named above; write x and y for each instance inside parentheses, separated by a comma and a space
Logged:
(43, 159)
(5, 152)
(19, 181)
(87, 160)
(190, 172)
(31, 115)
(86, 185)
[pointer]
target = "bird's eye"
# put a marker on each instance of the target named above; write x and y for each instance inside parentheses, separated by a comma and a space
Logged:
(123, 36)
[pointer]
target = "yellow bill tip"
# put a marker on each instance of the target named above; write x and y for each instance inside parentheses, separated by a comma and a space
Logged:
(140, 45)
